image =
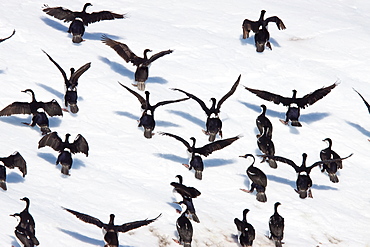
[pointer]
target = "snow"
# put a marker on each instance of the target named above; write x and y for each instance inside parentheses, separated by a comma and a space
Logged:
(130, 176)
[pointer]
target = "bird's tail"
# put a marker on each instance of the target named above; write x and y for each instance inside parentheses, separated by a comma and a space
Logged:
(333, 178)
(3, 185)
(195, 218)
(141, 85)
(65, 169)
(148, 133)
(212, 137)
(278, 243)
(77, 38)
(198, 175)
(296, 123)
(45, 129)
(260, 47)
(187, 244)
(261, 197)
(74, 108)
(302, 194)
(272, 163)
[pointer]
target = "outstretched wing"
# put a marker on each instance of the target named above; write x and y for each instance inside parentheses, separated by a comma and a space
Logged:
(327, 161)
(80, 145)
(1, 40)
(217, 145)
(200, 102)
(363, 99)
(135, 224)
(186, 191)
(15, 160)
(251, 25)
(16, 108)
(277, 99)
(78, 73)
(52, 140)
(138, 96)
(86, 218)
(279, 23)
(156, 56)
(167, 102)
(100, 16)
(66, 81)
(177, 138)
(232, 90)
(311, 98)
(282, 159)
(123, 50)
(60, 13)
(52, 108)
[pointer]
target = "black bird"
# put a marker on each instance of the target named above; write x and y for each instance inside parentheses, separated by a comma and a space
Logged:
(249, 25)
(1, 40)
(363, 99)
(266, 146)
(80, 19)
(52, 108)
(12, 161)
(79, 145)
(147, 119)
(304, 182)
(184, 190)
(190, 209)
(276, 225)
(213, 124)
(142, 63)
(259, 180)
(184, 228)
(294, 104)
(110, 230)
(263, 121)
(261, 39)
(70, 97)
(246, 231)
(332, 167)
(196, 161)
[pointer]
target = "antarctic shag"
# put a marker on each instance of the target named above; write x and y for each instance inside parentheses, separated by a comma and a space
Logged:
(12, 161)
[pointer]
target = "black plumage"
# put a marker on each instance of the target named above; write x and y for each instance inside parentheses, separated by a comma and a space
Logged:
(363, 99)
(183, 190)
(293, 103)
(184, 228)
(261, 39)
(147, 118)
(195, 160)
(332, 167)
(259, 180)
(265, 144)
(246, 231)
(80, 19)
(79, 145)
(110, 230)
(276, 225)
(255, 26)
(263, 121)
(190, 208)
(142, 63)
(1, 40)
(12, 161)
(213, 123)
(70, 97)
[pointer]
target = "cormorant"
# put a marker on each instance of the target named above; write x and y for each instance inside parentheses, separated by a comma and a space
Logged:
(262, 121)
(147, 119)
(142, 63)
(184, 228)
(196, 161)
(259, 180)
(332, 167)
(249, 25)
(213, 124)
(80, 19)
(111, 230)
(246, 231)
(190, 209)
(276, 225)
(12, 161)
(261, 39)
(266, 146)
(52, 108)
(294, 104)
(184, 190)
(363, 99)
(1, 40)
(70, 97)
(79, 145)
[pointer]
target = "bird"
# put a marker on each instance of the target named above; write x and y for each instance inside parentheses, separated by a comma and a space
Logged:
(332, 167)
(261, 39)
(80, 19)
(276, 225)
(265, 144)
(249, 25)
(79, 145)
(111, 230)
(1, 40)
(262, 121)
(363, 99)
(190, 209)
(52, 108)
(183, 190)
(304, 181)
(12, 161)
(184, 228)
(142, 63)
(196, 161)
(213, 123)
(294, 104)
(246, 231)
(70, 97)
(259, 180)
(147, 119)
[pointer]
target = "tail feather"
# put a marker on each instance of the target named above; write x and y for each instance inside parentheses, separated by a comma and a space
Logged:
(198, 175)
(261, 197)
(3, 185)
(333, 178)
(272, 163)
(65, 169)
(74, 108)
(148, 133)
(195, 218)
(45, 130)
(77, 38)
(141, 85)
(187, 244)
(212, 137)
(278, 243)
(296, 123)
(260, 47)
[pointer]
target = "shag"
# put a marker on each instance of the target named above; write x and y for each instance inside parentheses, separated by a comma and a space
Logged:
(80, 19)
(195, 160)
(70, 97)
(363, 99)
(332, 167)
(147, 119)
(52, 108)
(246, 231)
(266, 146)
(190, 209)
(294, 104)
(1, 40)
(184, 190)
(213, 123)
(261, 39)
(110, 230)
(12, 161)
(276, 225)
(249, 25)
(263, 121)
(79, 145)
(184, 228)
(304, 182)
(259, 180)
(142, 63)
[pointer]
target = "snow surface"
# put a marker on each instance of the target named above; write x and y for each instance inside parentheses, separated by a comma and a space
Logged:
(128, 175)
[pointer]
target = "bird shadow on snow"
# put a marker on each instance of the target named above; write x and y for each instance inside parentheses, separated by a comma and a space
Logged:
(359, 128)
(157, 122)
(50, 158)
(1, 71)
(207, 162)
(14, 242)
(51, 90)
(55, 24)
(293, 183)
(250, 41)
(14, 177)
(189, 117)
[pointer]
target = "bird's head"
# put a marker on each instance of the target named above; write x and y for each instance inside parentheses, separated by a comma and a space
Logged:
(25, 199)
(328, 140)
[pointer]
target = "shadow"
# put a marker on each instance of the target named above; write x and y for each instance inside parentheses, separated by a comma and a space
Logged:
(17, 121)
(55, 24)
(218, 162)
(48, 157)
(247, 41)
(52, 90)
(291, 183)
(257, 108)
(174, 205)
(15, 242)
(14, 178)
(274, 42)
(189, 117)
(83, 238)
(1, 71)
(165, 124)
(173, 158)
(97, 36)
(359, 128)
(77, 164)
(323, 187)
(127, 114)
(55, 121)
(313, 117)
